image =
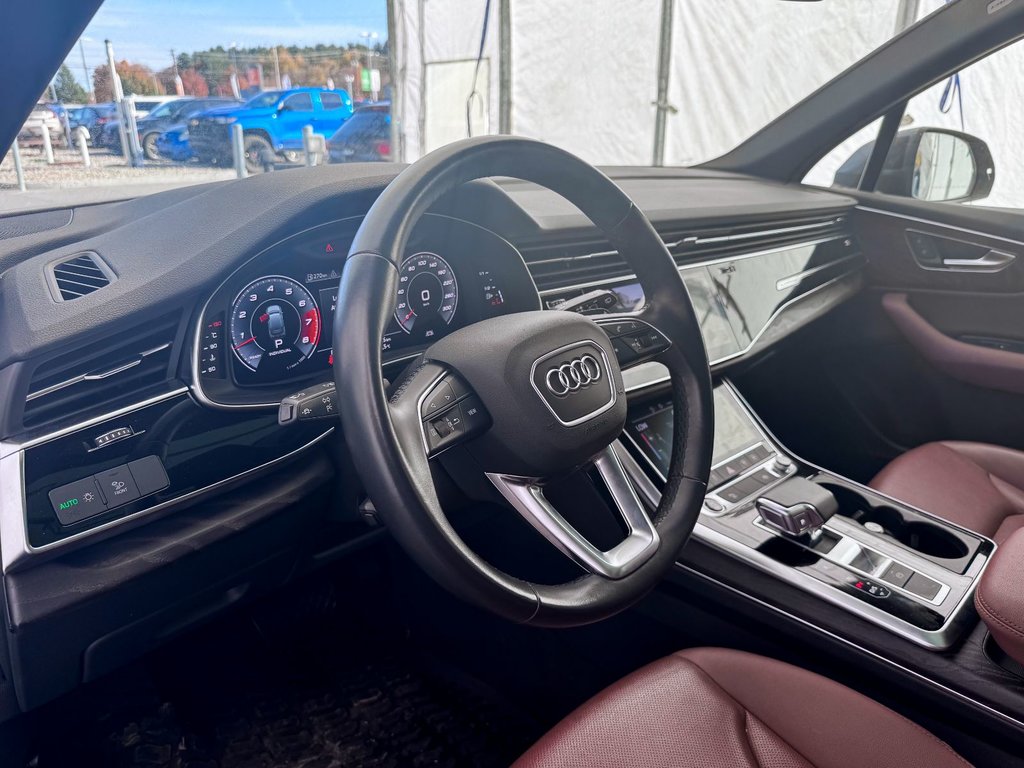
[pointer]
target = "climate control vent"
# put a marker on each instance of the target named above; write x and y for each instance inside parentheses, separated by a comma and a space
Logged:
(80, 275)
(103, 375)
(573, 264)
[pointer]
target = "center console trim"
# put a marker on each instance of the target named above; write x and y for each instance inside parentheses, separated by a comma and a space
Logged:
(959, 618)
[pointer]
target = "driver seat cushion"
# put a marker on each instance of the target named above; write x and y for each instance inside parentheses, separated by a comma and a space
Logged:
(977, 486)
(718, 708)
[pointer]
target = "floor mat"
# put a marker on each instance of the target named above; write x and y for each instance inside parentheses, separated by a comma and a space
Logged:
(331, 696)
(392, 712)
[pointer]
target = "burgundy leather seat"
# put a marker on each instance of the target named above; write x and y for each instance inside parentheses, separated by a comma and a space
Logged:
(716, 708)
(977, 486)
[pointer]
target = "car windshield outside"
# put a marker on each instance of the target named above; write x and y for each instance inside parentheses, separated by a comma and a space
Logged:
(264, 100)
(641, 83)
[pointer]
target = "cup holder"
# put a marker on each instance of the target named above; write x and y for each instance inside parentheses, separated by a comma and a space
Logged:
(920, 535)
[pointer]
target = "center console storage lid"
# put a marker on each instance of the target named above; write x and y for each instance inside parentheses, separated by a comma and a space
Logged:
(1000, 597)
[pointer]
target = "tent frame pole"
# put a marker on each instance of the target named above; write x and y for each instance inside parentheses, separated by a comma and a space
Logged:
(664, 65)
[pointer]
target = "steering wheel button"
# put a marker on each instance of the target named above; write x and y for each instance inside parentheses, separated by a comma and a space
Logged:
(442, 396)
(473, 412)
(459, 387)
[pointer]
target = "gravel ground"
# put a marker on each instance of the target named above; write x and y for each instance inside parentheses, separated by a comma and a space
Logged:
(107, 169)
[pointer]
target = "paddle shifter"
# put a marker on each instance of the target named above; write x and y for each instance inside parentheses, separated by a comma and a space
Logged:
(797, 507)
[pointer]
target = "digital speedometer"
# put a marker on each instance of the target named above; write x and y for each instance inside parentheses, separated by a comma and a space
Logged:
(427, 295)
(274, 325)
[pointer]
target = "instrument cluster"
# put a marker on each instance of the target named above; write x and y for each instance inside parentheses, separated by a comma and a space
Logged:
(271, 324)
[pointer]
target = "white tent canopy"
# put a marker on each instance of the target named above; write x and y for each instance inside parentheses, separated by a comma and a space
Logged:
(585, 76)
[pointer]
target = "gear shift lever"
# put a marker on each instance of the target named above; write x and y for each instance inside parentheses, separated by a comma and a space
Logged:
(796, 507)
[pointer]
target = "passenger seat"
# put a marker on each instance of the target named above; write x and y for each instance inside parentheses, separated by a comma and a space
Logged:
(977, 486)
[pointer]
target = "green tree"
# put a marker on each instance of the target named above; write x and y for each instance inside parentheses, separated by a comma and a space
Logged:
(67, 88)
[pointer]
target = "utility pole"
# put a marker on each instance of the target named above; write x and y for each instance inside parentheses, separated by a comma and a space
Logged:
(276, 67)
(179, 86)
(85, 70)
(122, 112)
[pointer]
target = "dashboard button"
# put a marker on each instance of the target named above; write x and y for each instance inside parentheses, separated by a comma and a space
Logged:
(149, 475)
(77, 501)
(117, 486)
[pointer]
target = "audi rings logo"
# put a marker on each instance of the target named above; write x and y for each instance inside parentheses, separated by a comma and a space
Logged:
(573, 375)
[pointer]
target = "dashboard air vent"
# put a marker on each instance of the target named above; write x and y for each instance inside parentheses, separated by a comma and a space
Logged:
(723, 242)
(103, 375)
(573, 264)
(80, 276)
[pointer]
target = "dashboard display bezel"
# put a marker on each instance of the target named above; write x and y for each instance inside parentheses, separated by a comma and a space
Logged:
(480, 258)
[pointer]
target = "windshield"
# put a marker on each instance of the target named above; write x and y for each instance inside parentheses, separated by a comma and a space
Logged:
(628, 84)
(165, 110)
(264, 100)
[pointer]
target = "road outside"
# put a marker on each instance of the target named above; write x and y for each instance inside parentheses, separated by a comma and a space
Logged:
(68, 182)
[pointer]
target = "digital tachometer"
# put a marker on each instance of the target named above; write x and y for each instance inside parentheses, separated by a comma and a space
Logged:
(274, 325)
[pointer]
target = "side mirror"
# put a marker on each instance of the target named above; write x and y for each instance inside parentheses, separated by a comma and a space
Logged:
(931, 164)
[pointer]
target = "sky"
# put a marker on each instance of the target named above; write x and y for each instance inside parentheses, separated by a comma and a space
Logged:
(145, 31)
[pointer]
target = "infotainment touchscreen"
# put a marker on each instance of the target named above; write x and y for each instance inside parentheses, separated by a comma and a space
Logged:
(650, 426)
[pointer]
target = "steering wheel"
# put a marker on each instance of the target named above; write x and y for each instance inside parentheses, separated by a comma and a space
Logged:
(527, 397)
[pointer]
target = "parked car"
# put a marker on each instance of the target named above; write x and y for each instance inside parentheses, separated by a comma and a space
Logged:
(163, 117)
(173, 144)
(364, 138)
(41, 117)
(93, 117)
(272, 123)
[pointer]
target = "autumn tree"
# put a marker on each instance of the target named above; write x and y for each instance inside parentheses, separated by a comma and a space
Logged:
(67, 88)
(136, 79)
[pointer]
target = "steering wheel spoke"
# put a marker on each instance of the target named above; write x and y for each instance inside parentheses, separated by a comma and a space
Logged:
(634, 337)
(527, 496)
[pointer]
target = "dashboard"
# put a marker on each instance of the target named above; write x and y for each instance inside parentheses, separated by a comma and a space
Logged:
(270, 326)
(146, 478)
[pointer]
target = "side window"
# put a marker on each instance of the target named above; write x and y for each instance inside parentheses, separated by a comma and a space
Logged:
(331, 100)
(843, 166)
(299, 102)
(958, 143)
(960, 139)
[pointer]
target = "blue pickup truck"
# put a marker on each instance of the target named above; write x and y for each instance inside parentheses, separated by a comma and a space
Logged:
(272, 125)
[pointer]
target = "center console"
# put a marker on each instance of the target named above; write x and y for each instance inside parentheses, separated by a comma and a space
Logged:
(888, 563)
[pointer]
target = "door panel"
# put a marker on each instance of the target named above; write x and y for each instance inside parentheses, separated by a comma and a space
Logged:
(924, 354)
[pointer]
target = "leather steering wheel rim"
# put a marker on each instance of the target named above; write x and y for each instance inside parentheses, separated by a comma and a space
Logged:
(398, 478)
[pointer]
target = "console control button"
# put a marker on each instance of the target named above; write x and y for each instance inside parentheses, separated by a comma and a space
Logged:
(922, 586)
(897, 574)
(713, 505)
(117, 486)
(77, 501)
(150, 475)
(872, 588)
